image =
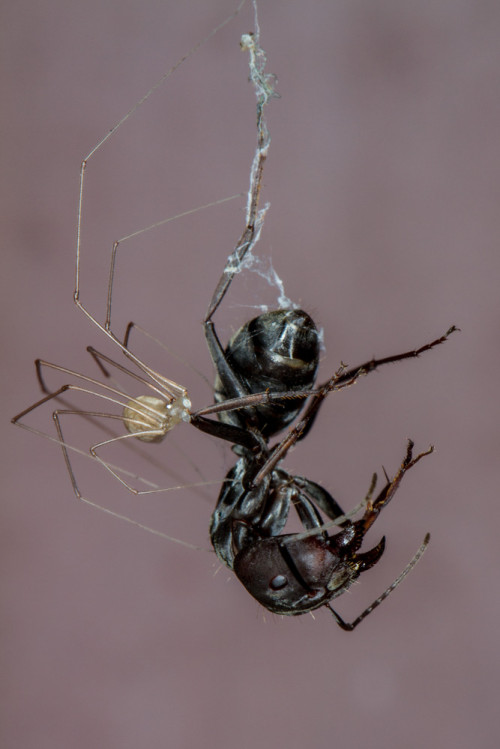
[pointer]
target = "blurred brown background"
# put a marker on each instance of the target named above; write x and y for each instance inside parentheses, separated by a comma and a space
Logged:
(384, 178)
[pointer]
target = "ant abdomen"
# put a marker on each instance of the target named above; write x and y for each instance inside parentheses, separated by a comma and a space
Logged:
(276, 351)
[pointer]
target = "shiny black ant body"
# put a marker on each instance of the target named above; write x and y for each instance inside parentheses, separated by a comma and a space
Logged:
(263, 378)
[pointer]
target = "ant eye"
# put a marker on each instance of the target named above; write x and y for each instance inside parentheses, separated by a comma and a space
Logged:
(278, 582)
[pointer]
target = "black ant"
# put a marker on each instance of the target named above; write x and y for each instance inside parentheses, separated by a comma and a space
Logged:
(265, 380)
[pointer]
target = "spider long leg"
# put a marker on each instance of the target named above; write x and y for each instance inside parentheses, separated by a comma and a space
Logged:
(69, 387)
(147, 418)
(117, 473)
(132, 326)
(162, 412)
(142, 422)
(105, 327)
(116, 469)
(120, 242)
(169, 388)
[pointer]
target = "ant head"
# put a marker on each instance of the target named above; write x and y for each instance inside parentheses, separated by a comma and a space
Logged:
(292, 575)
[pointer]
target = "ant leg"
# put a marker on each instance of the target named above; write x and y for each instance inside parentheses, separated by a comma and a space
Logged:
(236, 435)
(342, 378)
(252, 439)
(263, 85)
(349, 626)
(352, 374)
(373, 364)
(340, 519)
(267, 397)
(232, 383)
(294, 434)
(253, 223)
(339, 380)
(374, 508)
(252, 399)
(319, 496)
